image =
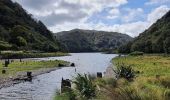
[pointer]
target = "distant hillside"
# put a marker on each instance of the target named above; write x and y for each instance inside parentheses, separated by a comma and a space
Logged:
(156, 39)
(78, 40)
(19, 31)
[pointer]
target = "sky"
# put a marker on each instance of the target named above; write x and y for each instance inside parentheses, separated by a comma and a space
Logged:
(130, 17)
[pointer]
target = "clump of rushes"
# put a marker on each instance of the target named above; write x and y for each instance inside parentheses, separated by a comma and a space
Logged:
(125, 71)
(128, 93)
(85, 86)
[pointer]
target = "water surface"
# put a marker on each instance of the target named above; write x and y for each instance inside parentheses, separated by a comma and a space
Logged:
(43, 87)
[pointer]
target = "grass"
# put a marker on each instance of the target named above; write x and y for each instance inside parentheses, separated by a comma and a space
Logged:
(153, 80)
(84, 89)
(64, 96)
(27, 54)
(28, 65)
(147, 65)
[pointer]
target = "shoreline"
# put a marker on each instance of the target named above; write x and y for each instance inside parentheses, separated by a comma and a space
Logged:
(109, 73)
(10, 81)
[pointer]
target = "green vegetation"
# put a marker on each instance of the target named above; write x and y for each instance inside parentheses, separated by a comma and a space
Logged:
(20, 31)
(125, 71)
(156, 39)
(85, 89)
(85, 86)
(152, 81)
(65, 96)
(26, 54)
(91, 40)
(28, 65)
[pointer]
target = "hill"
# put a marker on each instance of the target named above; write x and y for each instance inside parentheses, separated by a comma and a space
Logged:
(19, 31)
(78, 40)
(156, 39)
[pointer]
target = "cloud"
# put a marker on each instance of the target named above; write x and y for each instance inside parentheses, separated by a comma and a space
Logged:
(53, 12)
(133, 14)
(62, 15)
(152, 2)
(131, 28)
(113, 13)
(157, 13)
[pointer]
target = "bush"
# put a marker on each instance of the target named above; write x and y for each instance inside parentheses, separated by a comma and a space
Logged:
(136, 53)
(85, 86)
(125, 71)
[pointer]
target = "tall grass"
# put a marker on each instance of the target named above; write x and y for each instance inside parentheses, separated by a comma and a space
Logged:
(153, 79)
(85, 86)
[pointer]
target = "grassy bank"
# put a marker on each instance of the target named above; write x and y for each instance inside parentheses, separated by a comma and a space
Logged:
(16, 67)
(21, 54)
(150, 81)
(153, 79)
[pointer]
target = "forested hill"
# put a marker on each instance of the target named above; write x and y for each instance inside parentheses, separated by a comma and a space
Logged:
(78, 40)
(19, 31)
(156, 39)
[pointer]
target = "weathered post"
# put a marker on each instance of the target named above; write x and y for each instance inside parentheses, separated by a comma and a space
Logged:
(29, 76)
(72, 64)
(99, 75)
(6, 63)
(65, 85)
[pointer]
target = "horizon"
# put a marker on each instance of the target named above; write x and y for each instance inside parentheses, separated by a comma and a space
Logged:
(130, 17)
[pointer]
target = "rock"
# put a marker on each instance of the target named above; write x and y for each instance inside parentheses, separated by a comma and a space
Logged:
(72, 64)
(3, 71)
(60, 65)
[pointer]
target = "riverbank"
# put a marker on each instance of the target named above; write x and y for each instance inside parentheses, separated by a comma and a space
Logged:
(151, 80)
(152, 77)
(27, 54)
(16, 70)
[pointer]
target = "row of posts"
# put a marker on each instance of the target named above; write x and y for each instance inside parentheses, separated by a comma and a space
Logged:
(7, 62)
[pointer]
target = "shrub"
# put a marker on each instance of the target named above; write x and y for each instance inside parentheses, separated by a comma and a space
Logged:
(125, 71)
(136, 53)
(85, 86)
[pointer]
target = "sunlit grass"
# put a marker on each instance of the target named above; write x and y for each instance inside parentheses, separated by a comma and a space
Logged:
(153, 80)
(29, 65)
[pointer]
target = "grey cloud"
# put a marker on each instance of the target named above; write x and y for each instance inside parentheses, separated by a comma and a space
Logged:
(36, 4)
(74, 11)
(54, 19)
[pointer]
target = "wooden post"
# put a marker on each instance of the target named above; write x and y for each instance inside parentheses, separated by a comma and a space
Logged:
(65, 85)
(6, 63)
(29, 76)
(72, 64)
(99, 74)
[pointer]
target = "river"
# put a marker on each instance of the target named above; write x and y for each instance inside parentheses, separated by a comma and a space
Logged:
(44, 87)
